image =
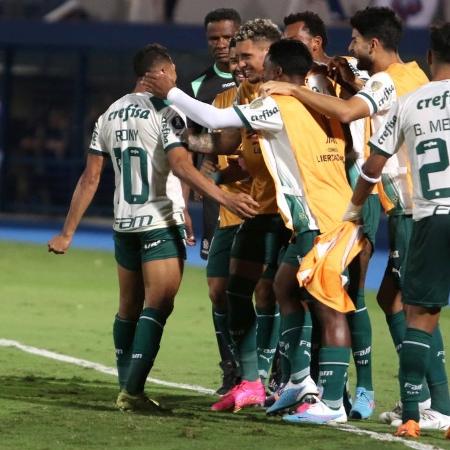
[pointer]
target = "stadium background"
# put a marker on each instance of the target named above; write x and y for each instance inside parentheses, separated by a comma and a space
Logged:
(60, 72)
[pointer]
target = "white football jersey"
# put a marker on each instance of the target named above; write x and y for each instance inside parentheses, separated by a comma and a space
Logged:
(422, 121)
(136, 131)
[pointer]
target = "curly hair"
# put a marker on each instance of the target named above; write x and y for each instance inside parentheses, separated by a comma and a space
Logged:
(258, 30)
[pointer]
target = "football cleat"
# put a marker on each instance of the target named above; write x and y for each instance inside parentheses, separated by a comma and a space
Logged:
(363, 405)
(249, 393)
(316, 413)
(409, 429)
(274, 396)
(447, 433)
(429, 420)
(230, 377)
(396, 413)
(138, 403)
(227, 401)
(292, 395)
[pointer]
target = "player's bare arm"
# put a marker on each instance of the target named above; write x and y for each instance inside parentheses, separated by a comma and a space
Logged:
(82, 197)
(343, 110)
(340, 71)
(240, 204)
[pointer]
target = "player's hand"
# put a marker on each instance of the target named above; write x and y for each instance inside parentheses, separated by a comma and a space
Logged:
(241, 204)
(276, 87)
(190, 236)
(353, 213)
(59, 244)
(158, 83)
(339, 69)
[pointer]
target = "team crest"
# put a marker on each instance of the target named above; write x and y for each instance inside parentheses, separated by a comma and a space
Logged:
(375, 86)
(255, 104)
(178, 123)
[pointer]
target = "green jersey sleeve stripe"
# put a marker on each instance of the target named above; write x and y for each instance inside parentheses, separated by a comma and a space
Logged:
(378, 150)
(243, 118)
(174, 145)
(94, 151)
(374, 105)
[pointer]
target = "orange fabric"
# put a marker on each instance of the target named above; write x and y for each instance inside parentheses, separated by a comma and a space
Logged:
(320, 270)
(226, 218)
(263, 187)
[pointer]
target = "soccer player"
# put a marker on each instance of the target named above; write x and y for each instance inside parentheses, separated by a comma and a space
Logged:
(308, 27)
(375, 38)
(296, 146)
(220, 26)
(142, 136)
(421, 120)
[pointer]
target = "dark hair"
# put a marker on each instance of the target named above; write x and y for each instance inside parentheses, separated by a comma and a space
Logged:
(147, 57)
(440, 41)
(258, 30)
(222, 14)
(313, 23)
(232, 43)
(380, 23)
(292, 56)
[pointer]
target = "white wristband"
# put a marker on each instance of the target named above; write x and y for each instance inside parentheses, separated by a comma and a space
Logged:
(353, 213)
(368, 179)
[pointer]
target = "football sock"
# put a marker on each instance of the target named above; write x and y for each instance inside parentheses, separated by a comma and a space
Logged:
(333, 365)
(414, 361)
(267, 332)
(123, 334)
(361, 335)
(225, 343)
(148, 335)
(437, 376)
(297, 335)
(242, 324)
(285, 365)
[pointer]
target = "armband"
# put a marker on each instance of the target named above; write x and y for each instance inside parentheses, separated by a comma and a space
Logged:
(368, 179)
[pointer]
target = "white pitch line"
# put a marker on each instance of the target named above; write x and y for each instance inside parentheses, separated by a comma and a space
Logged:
(200, 389)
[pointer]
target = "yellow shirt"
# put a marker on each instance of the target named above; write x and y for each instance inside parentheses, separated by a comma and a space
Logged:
(226, 218)
(263, 188)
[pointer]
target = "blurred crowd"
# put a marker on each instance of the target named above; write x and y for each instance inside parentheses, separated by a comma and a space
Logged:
(416, 13)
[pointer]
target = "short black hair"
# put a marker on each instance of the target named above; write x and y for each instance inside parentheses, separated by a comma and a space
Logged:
(232, 43)
(147, 56)
(381, 23)
(440, 41)
(223, 14)
(293, 57)
(312, 21)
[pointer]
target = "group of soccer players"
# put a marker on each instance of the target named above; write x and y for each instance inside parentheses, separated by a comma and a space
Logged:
(291, 142)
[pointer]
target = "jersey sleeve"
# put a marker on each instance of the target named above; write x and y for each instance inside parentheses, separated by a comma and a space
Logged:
(378, 92)
(260, 114)
(97, 147)
(173, 124)
(389, 138)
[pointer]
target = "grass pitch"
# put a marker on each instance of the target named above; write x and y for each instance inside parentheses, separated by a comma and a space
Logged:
(67, 304)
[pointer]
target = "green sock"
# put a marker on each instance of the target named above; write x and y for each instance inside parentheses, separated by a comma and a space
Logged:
(361, 334)
(291, 335)
(226, 345)
(414, 361)
(267, 332)
(397, 328)
(285, 365)
(437, 376)
(333, 364)
(300, 368)
(148, 335)
(242, 324)
(123, 334)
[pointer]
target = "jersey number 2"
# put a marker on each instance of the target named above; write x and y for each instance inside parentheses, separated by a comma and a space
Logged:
(124, 161)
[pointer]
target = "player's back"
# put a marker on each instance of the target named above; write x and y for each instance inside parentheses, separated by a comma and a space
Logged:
(137, 130)
(425, 121)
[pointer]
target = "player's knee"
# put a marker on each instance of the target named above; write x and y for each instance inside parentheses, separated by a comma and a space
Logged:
(264, 294)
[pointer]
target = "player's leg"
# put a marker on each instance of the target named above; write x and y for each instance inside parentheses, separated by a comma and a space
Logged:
(426, 291)
(217, 271)
(131, 299)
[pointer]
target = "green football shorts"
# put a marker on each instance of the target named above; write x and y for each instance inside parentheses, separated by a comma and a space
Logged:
(218, 264)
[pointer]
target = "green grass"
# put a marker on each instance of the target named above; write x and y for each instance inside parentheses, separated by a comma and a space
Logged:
(67, 304)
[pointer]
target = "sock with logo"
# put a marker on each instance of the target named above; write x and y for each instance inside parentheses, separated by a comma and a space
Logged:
(123, 334)
(437, 375)
(296, 336)
(414, 361)
(242, 324)
(285, 365)
(397, 327)
(361, 334)
(224, 342)
(267, 332)
(333, 365)
(147, 338)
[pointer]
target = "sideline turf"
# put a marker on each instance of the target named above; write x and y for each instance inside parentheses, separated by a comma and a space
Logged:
(67, 303)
